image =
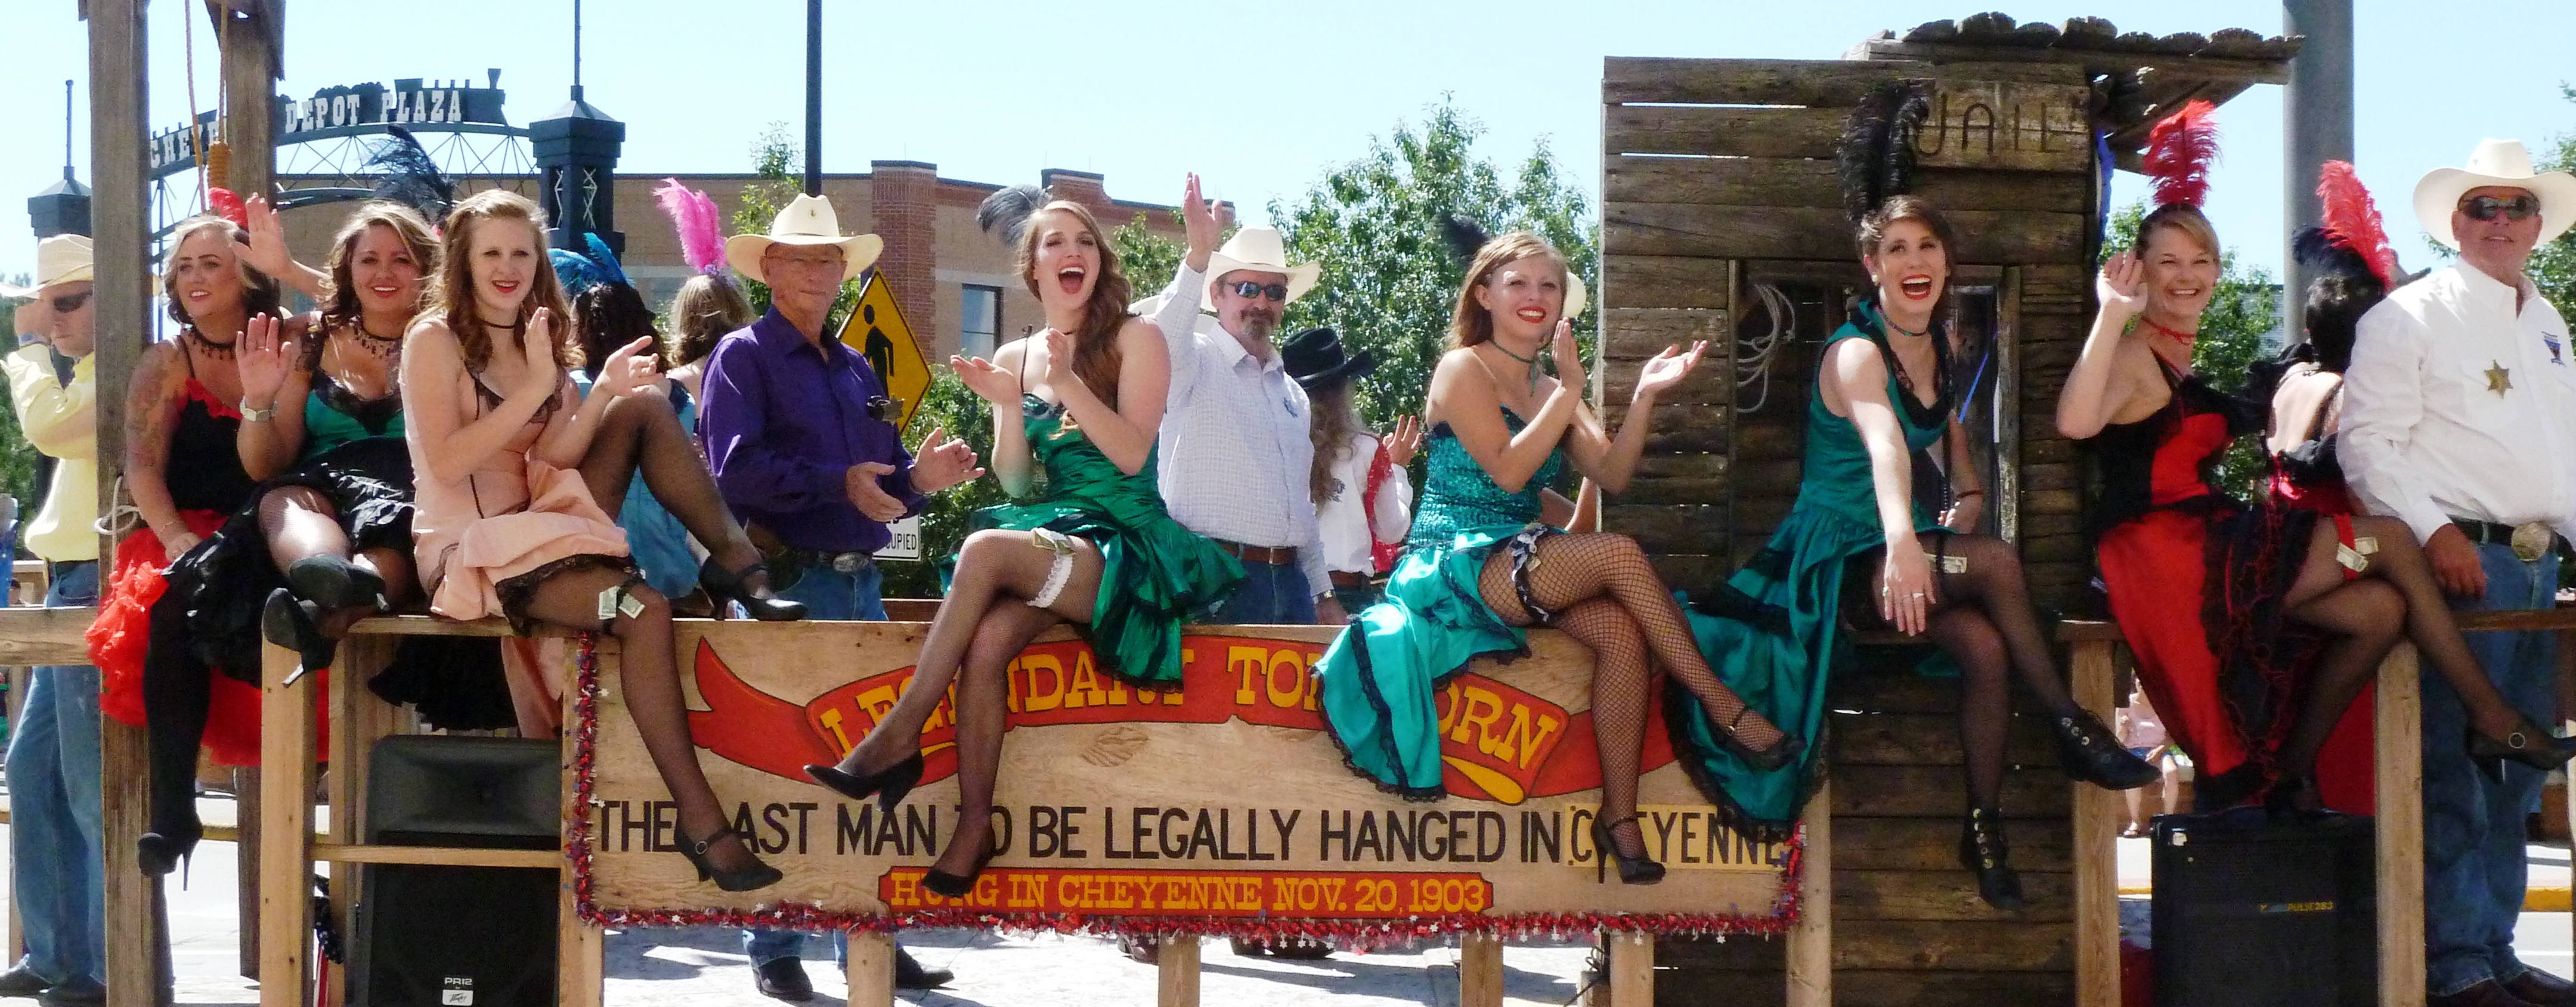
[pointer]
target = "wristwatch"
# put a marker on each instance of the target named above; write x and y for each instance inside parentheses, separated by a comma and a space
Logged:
(250, 415)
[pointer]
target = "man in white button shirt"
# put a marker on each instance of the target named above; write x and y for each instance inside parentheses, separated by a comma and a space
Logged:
(2460, 418)
(1234, 450)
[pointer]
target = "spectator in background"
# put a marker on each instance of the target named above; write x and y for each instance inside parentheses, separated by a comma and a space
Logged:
(57, 863)
(2144, 736)
(1363, 497)
(707, 307)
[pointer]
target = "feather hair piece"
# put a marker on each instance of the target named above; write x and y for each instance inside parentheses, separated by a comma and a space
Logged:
(1005, 214)
(2179, 151)
(1464, 236)
(2352, 220)
(610, 270)
(1875, 157)
(694, 216)
(409, 175)
(223, 203)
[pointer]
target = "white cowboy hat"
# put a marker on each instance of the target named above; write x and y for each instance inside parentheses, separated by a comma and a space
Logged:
(1259, 250)
(63, 258)
(2495, 162)
(807, 221)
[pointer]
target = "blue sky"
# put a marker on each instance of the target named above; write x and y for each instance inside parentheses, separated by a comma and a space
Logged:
(1257, 99)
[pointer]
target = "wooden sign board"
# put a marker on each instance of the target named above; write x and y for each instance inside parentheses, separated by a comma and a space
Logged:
(1210, 809)
(2006, 125)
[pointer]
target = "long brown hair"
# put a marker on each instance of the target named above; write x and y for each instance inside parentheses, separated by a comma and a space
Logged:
(1335, 419)
(707, 307)
(1471, 323)
(406, 224)
(1095, 346)
(1873, 229)
(452, 302)
(260, 293)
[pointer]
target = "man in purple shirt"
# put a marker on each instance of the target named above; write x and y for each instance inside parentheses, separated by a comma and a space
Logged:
(801, 437)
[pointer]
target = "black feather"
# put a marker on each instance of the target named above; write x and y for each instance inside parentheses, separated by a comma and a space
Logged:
(409, 175)
(2313, 248)
(1006, 212)
(1911, 105)
(1465, 237)
(1875, 158)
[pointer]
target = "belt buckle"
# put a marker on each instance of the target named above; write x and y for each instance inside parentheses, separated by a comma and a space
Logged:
(2532, 541)
(849, 562)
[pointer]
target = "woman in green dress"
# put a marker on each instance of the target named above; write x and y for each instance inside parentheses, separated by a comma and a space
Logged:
(1106, 556)
(1860, 550)
(1480, 568)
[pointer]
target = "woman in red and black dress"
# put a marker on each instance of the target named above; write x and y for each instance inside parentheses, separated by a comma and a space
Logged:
(2255, 664)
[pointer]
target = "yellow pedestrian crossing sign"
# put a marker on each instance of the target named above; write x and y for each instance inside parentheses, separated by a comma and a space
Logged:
(876, 329)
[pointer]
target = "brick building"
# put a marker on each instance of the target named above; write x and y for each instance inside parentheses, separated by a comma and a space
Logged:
(953, 282)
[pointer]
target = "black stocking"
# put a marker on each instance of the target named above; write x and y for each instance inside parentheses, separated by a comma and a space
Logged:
(177, 695)
(1985, 697)
(2367, 617)
(640, 434)
(1573, 568)
(983, 703)
(1622, 684)
(1992, 584)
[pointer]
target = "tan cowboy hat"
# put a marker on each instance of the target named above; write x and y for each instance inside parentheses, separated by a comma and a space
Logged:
(807, 221)
(2495, 162)
(1259, 249)
(63, 258)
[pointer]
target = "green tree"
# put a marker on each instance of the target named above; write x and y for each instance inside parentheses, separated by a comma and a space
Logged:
(1390, 281)
(1148, 259)
(17, 457)
(950, 405)
(2553, 266)
(2245, 309)
(774, 154)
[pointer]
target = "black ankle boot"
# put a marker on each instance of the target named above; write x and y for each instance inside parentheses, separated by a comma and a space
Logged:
(1983, 852)
(2089, 752)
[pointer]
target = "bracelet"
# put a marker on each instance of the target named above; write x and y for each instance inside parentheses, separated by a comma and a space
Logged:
(250, 415)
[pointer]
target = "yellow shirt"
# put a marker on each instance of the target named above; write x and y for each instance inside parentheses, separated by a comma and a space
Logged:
(61, 421)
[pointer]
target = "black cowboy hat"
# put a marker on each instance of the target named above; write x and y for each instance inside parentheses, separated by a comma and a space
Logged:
(1314, 357)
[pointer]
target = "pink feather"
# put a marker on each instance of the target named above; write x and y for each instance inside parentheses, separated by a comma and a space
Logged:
(693, 214)
(2352, 219)
(2179, 151)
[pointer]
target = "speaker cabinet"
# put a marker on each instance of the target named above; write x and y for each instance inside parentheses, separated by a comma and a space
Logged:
(458, 936)
(2254, 913)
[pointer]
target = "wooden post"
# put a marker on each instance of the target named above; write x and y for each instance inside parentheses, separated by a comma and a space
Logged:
(2097, 852)
(2400, 758)
(1480, 970)
(1811, 941)
(117, 104)
(1177, 971)
(250, 68)
(871, 968)
(1632, 968)
(2566, 655)
(581, 950)
(19, 680)
(285, 920)
(357, 720)
(246, 890)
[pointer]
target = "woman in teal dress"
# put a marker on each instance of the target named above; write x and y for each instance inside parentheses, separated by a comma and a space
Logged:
(1861, 550)
(1480, 568)
(1084, 400)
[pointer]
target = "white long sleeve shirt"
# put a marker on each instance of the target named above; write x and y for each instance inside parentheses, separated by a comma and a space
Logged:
(1351, 525)
(1234, 448)
(2458, 405)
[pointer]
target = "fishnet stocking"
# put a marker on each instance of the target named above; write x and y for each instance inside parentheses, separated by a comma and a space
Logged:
(639, 434)
(1621, 687)
(1572, 568)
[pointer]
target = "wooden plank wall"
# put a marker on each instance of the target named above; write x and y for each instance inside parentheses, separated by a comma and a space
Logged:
(1717, 174)
(1717, 177)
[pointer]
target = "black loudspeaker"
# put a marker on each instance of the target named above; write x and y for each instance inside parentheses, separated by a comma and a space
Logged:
(458, 936)
(2250, 912)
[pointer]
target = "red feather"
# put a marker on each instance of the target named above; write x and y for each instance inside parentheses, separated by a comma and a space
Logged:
(2179, 152)
(2352, 219)
(227, 206)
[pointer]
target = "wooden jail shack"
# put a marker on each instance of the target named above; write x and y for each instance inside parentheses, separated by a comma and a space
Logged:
(1722, 221)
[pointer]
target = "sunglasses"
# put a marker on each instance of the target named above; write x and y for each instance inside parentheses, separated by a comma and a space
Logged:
(69, 303)
(1273, 291)
(2487, 207)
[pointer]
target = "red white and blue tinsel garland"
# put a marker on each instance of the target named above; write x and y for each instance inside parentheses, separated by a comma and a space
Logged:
(1357, 935)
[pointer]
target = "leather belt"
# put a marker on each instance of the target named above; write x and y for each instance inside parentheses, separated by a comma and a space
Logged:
(2529, 545)
(1275, 555)
(781, 557)
(1346, 578)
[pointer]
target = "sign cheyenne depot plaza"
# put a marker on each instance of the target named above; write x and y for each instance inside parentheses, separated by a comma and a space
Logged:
(1221, 808)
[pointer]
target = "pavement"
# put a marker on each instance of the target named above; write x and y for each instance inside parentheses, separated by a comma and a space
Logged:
(670, 968)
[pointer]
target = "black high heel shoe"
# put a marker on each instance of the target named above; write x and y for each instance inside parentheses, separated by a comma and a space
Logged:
(1636, 870)
(1983, 852)
(889, 785)
(294, 624)
(161, 851)
(757, 876)
(2090, 753)
(333, 583)
(2527, 744)
(1781, 752)
(957, 886)
(727, 585)
(2295, 799)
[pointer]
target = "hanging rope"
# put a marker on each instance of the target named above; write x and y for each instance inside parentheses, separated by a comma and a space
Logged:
(1753, 357)
(219, 154)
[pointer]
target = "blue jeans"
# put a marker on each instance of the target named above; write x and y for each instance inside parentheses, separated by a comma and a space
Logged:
(57, 864)
(1271, 595)
(827, 594)
(2473, 825)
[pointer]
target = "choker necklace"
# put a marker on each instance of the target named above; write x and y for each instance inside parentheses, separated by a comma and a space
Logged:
(1902, 330)
(1531, 361)
(2184, 338)
(209, 347)
(381, 347)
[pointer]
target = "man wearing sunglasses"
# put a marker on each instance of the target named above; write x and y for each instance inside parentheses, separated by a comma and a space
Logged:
(1234, 449)
(2460, 418)
(56, 862)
